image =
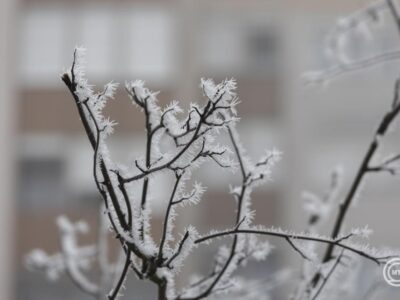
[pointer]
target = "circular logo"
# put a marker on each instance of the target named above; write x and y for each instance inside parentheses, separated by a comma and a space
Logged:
(391, 272)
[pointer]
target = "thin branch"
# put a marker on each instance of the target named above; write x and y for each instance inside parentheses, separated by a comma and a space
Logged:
(102, 246)
(176, 254)
(237, 151)
(326, 278)
(377, 260)
(357, 65)
(180, 200)
(391, 160)
(239, 221)
(148, 164)
(396, 94)
(71, 84)
(394, 13)
(167, 164)
(364, 167)
(166, 218)
(386, 167)
(114, 293)
(386, 121)
(390, 170)
(207, 112)
(288, 239)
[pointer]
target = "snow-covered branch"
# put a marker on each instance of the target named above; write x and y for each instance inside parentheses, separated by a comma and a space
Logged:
(194, 138)
(340, 39)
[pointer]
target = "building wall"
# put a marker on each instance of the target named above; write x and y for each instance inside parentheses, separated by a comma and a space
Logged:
(7, 135)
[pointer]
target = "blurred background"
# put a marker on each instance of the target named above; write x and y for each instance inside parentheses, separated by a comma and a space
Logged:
(266, 45)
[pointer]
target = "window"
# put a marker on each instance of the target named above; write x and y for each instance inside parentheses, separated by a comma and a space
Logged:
(221, 45)
(40, 182)
(150, 42)
(41, 45)
(262, 47)
(121, 40)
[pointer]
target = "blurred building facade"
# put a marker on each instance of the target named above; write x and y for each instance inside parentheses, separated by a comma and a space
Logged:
(265, 45)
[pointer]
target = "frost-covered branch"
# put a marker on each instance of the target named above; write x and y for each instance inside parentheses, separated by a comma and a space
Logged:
(364, 168)
(372, 254)
(193, 138)
(330, 273)
(72, 260)
(339, 39)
